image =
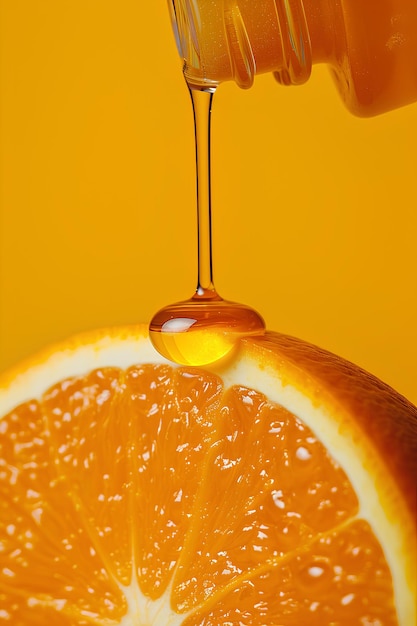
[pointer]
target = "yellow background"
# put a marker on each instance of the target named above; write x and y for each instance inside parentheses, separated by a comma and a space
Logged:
(315, 211)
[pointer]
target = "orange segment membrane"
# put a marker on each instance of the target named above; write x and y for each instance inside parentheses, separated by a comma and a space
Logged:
(339, 579)
(158, 477)
(49, 563)
(268, 487)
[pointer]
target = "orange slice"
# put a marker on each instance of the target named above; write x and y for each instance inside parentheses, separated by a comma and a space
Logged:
(273, 489)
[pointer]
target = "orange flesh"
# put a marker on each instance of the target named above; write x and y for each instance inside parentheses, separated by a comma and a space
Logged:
(158, 473)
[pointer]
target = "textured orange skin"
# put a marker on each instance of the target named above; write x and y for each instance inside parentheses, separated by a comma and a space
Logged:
(386, 419)
(381, 424)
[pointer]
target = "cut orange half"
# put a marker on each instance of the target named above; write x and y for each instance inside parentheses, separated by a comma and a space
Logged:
(273, 489)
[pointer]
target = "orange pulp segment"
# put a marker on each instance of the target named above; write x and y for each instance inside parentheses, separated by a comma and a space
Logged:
(158, 495)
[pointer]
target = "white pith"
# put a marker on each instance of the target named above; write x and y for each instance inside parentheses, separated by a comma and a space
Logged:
(145, 612)
(118, 351)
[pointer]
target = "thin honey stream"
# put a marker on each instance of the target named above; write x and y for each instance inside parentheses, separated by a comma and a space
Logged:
(205, 328)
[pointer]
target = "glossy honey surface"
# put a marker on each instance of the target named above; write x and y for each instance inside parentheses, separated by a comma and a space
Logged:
(314, 209)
